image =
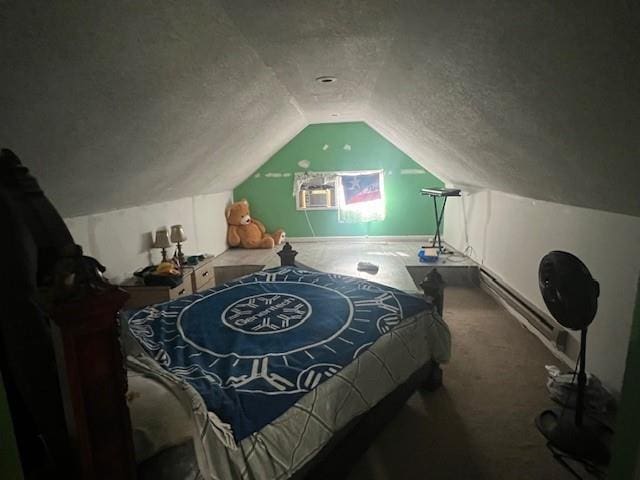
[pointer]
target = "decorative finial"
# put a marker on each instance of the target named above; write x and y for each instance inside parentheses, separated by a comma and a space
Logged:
(287, 256)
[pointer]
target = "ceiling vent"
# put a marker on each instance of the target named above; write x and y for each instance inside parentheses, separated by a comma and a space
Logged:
(326, 79)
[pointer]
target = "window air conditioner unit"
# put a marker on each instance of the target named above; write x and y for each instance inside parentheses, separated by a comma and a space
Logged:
(317, 199)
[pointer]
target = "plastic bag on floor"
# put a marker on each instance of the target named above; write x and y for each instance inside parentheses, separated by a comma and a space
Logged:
(563, 389)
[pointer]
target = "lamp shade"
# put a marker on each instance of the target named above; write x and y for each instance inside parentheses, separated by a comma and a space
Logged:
(177, 234)
(162, 239)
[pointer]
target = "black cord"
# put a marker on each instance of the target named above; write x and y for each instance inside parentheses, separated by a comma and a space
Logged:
(560, 455)
(453, 255)
(590, 468)
(587, 410)
(573, 379)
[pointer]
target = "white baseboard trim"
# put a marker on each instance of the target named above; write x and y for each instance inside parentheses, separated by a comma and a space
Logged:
(364, 239)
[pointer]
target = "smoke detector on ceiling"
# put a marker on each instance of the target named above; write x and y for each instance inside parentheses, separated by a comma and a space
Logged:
(326, 79)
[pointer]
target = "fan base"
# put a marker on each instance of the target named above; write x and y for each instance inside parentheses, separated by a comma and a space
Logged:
(589, 442)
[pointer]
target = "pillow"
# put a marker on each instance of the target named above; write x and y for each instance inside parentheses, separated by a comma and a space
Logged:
(158, 419)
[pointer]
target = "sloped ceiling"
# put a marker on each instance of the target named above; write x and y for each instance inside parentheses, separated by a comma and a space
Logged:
(114, 104)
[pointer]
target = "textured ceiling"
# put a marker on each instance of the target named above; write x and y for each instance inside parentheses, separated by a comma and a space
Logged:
(120, 103)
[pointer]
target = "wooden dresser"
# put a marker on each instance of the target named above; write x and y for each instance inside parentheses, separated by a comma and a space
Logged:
(195, 278)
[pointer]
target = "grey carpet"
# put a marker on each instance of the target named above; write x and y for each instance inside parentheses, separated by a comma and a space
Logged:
(479, 425)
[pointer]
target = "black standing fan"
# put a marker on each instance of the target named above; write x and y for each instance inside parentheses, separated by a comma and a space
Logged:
(571, 295)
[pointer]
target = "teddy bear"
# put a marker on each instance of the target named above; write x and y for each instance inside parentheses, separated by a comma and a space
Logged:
(246, 232)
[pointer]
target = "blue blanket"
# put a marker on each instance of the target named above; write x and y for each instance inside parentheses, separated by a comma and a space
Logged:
(254, 346)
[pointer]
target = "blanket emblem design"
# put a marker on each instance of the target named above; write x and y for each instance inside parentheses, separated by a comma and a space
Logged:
(267, 313)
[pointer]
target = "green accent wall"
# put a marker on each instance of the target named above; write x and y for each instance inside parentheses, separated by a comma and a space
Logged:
(626, 445)
(271, 197)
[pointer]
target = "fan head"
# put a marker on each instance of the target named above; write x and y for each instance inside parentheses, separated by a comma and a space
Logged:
(568, 289)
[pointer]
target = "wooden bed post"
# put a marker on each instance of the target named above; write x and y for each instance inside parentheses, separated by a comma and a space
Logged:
(93, 384)
(287, 256)
(433, 288)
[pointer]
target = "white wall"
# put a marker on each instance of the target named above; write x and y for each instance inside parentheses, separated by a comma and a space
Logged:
(510, 234)
(121, 239)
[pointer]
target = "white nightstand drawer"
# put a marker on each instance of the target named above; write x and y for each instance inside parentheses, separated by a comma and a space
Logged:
(143, 295)
(203, 276)
(185, 288)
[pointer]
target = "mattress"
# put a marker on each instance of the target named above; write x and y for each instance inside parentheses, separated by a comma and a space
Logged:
(287, 426)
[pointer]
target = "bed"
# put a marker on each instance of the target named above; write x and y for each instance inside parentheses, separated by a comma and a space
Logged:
(273, 365)
(287, 373)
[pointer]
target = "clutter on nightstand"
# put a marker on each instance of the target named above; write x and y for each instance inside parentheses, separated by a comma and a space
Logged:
(166, 274)
(167, 281)
(195, 259)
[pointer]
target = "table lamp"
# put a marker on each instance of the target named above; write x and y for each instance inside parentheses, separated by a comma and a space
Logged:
(162, 241)
(178, 237)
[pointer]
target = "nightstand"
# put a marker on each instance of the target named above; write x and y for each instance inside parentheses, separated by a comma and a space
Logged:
(143, 295)
(195, 278)
(202, 275)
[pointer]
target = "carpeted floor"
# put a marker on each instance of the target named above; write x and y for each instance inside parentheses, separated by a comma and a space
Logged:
(479, 425)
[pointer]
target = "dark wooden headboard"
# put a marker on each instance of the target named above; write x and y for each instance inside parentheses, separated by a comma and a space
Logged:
(60, 353)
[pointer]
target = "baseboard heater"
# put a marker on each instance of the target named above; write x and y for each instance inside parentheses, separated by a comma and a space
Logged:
(553, 332)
